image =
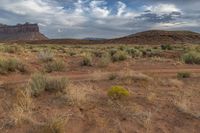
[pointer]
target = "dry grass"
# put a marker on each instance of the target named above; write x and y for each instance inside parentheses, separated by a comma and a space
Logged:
(79, 94)
(22, 107)
(55, 124)
(185, 105)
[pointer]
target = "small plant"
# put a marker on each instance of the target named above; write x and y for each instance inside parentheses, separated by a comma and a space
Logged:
(134, 52)
(40, 83)
(56, 84)
(112, 76)
(55, 124)
(11, 65)
(104, 60)
(117, 92)
(12, 49)
(166, 47)
(119, 56)
(87, 60)
(46, 56)
(191, 58)
(183, 74)
(57, 66)
(37, 84)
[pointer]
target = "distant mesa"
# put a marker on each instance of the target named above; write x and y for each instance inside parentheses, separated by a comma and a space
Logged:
(21, 32)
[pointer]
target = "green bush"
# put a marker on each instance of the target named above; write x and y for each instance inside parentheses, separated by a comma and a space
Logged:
(46, 56)
(183, 74)
(117, 92)
(191, 58)
(57, 66)
(87, 60)
(40, 83)
(120, 56)
(56, 84)
(134, 52)
(37, 84)
(166, 47)
(11, 65)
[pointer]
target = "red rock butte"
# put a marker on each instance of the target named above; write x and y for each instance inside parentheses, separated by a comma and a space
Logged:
(20, 32)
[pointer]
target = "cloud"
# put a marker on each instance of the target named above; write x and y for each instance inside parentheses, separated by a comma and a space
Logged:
(100, 18)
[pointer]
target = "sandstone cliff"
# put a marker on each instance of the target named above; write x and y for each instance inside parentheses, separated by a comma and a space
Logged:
(21, 32)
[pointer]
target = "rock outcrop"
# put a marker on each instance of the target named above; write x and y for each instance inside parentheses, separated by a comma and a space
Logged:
(21, 32)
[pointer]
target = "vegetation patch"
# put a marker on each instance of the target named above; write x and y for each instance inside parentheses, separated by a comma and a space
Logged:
(45, 56)
(191, 57)
(40, 83)
(183, 75)
(11, 65)
(57, 66)
(117, 92)
(87, 60)
(120, 56)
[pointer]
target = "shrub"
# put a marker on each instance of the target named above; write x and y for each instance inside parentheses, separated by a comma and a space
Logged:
(55, 124)
(119, 56)
(104, 60)
(40, 83)
(191, 58)
(11, 65)
(37, 84)
(166, 47)
(134, 52)
(87, 60)
(57, 66)
(56, 84)
(112, 76)
(112, 51)
(183, 74)
(117, 92)
(45, 56)
(11, 49)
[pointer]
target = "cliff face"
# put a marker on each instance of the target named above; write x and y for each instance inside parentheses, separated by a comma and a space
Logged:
(20, 32)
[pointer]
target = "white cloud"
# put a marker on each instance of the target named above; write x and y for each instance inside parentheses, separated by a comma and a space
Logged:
(162, 8)
(98, 9)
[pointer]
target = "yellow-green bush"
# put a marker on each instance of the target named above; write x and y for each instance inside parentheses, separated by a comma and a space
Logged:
(191, 57)
(11, 65)
(120, 56)
(57, 66)
(117, 92)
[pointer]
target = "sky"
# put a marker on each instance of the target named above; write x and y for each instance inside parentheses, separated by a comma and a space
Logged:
(102, 18)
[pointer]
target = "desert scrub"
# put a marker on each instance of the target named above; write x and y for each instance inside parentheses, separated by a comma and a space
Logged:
(45, 56)
(117, 92)
(37, 83)
(183, 75)
(119, 56)
(12, 49)
(87, 60)
(104, 60)
(191, 57)
(11, 65)
(56, 84)
(40, 83)
(166, 47)
(57, 66)
(55, 124)
(134, 52)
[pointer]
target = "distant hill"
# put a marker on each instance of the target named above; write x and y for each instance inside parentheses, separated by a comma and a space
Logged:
(152, 37)
(20, 32)
(159, 37)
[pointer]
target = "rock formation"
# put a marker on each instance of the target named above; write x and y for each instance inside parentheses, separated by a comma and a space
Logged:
(21, 32)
